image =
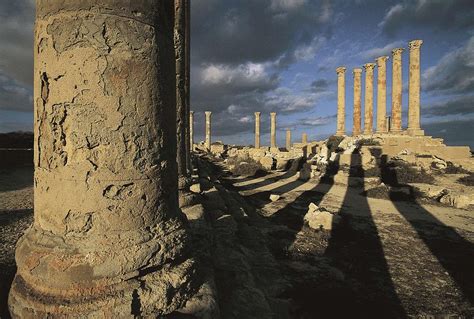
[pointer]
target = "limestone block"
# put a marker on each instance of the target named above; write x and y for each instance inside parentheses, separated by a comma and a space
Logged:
(428, 191)
(194, 212)
(320, 219)
(267, 162)
(305, 172)
(456, 200)
(274, 197)
(195, 188)
(281, 163)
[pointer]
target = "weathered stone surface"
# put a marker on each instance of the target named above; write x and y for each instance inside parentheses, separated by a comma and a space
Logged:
(274, 197)
(108, 238)
(305, 172)
(267, 162)
(317, 218)
(428, 191)
(195, 188)
(456, 200)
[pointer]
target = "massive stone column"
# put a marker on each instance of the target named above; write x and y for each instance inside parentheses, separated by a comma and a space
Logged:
(182, 116)
(341, 100)
(191, 130)
(257, 129)
(414, 89)
(382, 94)
(208, 130)
(108, 239)
(288, 139)
(357, 102)
(187, 80)
(304, 138)
(396, 120)
(369, 98)
(273, 142)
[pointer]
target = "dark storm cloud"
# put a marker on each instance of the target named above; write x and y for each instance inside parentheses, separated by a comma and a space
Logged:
(453, 132)
(14, 96)
(459, 106)
(236, 31)
(319, 85)
(439, 14)
(454, 73)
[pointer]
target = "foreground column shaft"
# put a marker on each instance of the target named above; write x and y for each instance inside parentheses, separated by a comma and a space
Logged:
(273, 142)
(187, 80)
(208, 130)
(396, 120)
(107, 238)
(356, 129)
(369, 98)
(288, 140)
(257, 129)
(191, 130)
(414, 89)
(341, 100)
(382, 94)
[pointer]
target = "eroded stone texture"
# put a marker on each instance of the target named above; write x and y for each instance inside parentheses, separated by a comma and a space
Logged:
(208, 130)
(356, 130)
(341, 100)
(396, 120)
(369, 98)
(108, 238)
(187, 81)
(414, 89)
(273, 142)
(257, 129)
(382, 94)
(191, 129)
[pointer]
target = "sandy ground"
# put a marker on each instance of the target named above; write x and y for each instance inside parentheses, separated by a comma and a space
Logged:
(16, 215)
(385, 259)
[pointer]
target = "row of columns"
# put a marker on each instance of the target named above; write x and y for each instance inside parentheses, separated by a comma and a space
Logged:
(382, 125)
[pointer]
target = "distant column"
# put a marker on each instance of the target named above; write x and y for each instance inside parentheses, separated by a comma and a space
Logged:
(396, 120)
(191, 130)
(208, 130)
(357, 102)
(414, 89)
(288, 139)
(369, 98)
(382, 94)
(304, 138)
(341, 100)
(273, 142)
(257, 129)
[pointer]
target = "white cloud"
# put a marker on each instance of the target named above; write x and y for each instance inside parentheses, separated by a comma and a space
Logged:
(386, 50)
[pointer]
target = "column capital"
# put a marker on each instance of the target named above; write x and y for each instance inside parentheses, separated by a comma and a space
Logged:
(381, 60)
(257, 113)
(340, 70)
(208, 113)
(191, 112)
(397, 51)
(273, 114)
(357, 71)
(415, 44)
(369, 66)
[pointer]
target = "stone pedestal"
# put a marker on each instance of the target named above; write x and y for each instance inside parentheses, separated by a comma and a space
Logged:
(356, 129)
(273, 143)
(108, 239)
(257, 129)
(369, 98)
(414, 127)
(341, 100)
(396, 119)
(208, 130)
(382, 94)
(288, 140)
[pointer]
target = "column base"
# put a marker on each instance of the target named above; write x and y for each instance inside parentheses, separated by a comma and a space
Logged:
(415, 132)
(340, 133)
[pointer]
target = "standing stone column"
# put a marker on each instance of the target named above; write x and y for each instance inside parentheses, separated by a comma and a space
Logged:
(396, 120)
(108, 239)
(381, 94)
(369, 98)
(273, 142)
(181, 91)
(208, 130)
(304, 138)
(191, 130)
(288, 139)
(257, 129)
(356, 130)
(414, 89)
(341, 100)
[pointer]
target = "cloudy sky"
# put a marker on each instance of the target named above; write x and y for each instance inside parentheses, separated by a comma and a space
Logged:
(281, 55)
